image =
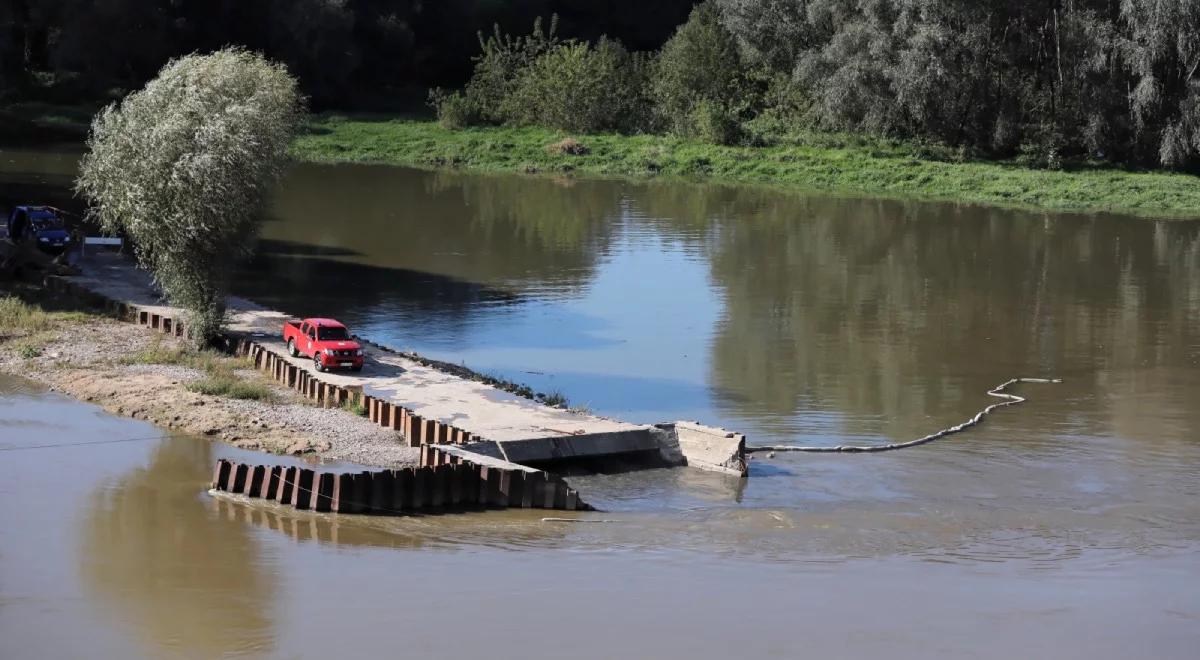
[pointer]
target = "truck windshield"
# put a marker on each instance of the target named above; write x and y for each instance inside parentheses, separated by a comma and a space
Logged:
(332, 334)
(46, 222)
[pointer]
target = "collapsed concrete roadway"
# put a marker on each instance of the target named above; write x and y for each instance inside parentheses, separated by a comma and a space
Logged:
(504, 428)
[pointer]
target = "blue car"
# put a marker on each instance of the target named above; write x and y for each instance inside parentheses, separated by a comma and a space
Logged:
(40, 225)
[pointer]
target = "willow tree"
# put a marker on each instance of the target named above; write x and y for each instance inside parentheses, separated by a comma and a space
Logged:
(183, 168)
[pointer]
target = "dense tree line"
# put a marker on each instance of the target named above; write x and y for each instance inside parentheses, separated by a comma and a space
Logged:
(1114, 79)
(1047, 82)
(346, 53)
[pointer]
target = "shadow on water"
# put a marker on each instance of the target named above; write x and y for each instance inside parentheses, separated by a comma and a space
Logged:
(318, 281)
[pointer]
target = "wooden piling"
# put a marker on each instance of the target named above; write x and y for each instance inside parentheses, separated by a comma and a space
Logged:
(413, 430)
(363, 485)
(271, 490)
(534, 482)
(221, 475)
(343, 490)
(287, 485)
(238, 482)
(302, 494)
(322, 495)
(382, 484)
(402, 490)
(254, 489)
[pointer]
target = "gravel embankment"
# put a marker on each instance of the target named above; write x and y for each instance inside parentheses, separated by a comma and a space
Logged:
(84, 361)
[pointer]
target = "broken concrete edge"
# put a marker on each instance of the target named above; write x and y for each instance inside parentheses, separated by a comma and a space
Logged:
(709, 448)
(567, 447)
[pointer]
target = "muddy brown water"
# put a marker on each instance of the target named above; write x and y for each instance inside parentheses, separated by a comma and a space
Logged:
(1066, 527)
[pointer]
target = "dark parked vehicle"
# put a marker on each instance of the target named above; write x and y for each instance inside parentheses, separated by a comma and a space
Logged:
(39, 225)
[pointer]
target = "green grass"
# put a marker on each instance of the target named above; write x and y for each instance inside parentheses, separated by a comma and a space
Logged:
(232, 387)
(814, 162)
(160, 352)
(219, 378)
(355, 408)
(29, 350)
(21, 317)
(29, 320)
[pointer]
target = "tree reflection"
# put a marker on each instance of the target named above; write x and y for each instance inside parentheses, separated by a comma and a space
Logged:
(186, 580)
(484, 229)
(891, 313)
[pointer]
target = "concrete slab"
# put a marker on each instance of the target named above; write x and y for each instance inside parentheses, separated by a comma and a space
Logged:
(710, 448)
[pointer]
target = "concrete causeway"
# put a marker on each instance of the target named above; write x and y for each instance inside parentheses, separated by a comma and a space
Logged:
(486, 412)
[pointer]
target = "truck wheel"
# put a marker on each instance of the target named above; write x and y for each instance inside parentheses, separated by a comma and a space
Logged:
(317, 362)
(292, 348)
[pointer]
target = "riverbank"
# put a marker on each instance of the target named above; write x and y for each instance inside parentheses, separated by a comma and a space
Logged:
(837, 164)
(131, 371)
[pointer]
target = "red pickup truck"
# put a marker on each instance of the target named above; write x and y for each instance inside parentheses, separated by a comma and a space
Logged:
(326, 341)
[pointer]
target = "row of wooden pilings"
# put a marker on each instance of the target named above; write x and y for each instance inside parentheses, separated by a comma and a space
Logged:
(444, 486)
(416, 430)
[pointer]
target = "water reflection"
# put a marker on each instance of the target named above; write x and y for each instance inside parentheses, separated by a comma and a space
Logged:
(185, 581)
(793, 317)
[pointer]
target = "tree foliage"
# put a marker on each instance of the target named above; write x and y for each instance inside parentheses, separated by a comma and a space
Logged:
(580, 87)
(541, 79)
(346, 53)
(183, 168)
(700, 87)
(1046, 82)
(1109, 79)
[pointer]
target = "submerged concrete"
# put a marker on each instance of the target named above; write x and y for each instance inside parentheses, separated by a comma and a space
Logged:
(709, 448)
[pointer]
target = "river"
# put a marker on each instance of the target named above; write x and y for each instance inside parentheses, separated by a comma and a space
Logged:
(1066, 527)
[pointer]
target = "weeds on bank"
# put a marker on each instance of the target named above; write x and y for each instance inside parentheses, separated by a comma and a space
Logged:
(231, 387)
(354, 407)
(26, 326)
(556, 399)
(219, 378)
(21, 318)
(29, 351)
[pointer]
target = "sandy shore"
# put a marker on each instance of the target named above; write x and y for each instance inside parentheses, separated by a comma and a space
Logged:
(85, 361)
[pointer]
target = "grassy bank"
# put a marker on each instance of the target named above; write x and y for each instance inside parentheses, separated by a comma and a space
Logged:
(840, 164)
(30, 320)
(34, 123)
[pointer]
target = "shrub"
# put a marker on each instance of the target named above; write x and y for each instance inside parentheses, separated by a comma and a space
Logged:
(498, 68)
(713, 123)
(577, 87)
(454, 109)
(701, 65)
(29, 351)
(183, 167)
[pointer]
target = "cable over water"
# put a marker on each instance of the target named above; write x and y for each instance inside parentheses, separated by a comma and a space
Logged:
(998, 391)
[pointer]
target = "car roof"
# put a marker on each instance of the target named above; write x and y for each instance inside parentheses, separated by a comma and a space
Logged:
(324, 323)
(35, 207)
